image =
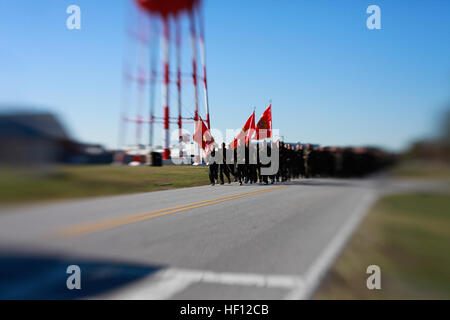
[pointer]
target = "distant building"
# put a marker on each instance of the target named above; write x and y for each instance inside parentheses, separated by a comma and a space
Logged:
(39, 138)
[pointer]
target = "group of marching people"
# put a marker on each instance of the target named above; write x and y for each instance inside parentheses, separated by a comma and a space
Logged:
(243, 163)
(259, 161)
(270, 162)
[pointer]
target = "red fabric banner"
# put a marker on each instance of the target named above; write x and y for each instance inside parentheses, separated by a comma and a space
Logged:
(202, 136)
(247, 131)
(265, 124)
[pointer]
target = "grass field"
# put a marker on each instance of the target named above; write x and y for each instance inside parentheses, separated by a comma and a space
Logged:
(421, 170)
(19, 186)
(65, 182)
(408, 237)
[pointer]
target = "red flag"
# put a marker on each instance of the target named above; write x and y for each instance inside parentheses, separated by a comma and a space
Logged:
(265, 123)
(203, 136)
(247, 131)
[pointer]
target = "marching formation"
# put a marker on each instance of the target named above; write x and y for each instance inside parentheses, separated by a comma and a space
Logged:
(251, 158)
(307, 161)
(294, 161)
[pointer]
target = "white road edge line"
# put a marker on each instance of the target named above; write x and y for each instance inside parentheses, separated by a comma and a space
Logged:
(167, 283)
(321, 265)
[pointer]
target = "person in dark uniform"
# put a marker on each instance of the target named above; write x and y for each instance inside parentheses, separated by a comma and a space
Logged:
(348, 163)
(239, 162)
(264, 151)
(235, 166)
(338, 160)
(287, 162)
(213, 167)
(291, 163)
(253, 163)
(246, 168)
(306, 160)
(258, 165)
(271, 147)
(300, 162)
(223, 167)
(328, 162)
(282, 171)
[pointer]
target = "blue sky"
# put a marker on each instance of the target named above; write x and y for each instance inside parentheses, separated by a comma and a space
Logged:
(331, 80)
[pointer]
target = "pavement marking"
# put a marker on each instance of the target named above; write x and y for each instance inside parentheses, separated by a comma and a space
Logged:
(89, 228)
(320, 266)
(167, 283)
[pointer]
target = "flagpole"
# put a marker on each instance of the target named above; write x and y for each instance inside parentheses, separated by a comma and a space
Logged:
(270, 104)
(203, 60)
(193, 34)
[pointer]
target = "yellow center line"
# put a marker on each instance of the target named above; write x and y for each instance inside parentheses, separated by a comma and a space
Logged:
(88, 228)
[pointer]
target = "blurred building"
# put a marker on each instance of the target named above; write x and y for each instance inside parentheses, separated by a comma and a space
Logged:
(40, 138)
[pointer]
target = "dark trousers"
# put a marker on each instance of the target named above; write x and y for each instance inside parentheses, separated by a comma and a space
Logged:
(307, 168)
(223, 169)
(253, 173)
(240, 172)
(213, 173)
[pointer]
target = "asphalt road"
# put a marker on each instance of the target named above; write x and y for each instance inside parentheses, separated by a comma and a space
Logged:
(221, 242)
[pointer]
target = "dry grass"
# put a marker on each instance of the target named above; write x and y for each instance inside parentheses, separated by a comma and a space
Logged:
(408, 236)
(65, 182)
